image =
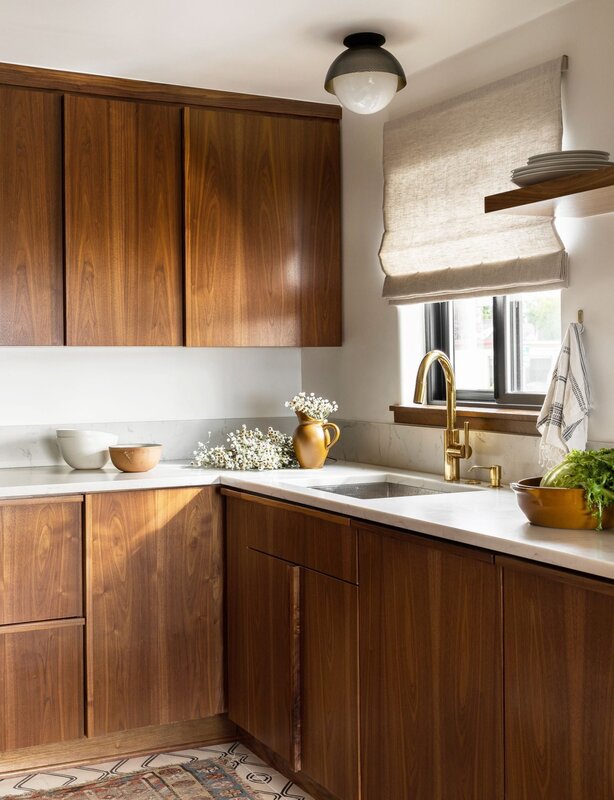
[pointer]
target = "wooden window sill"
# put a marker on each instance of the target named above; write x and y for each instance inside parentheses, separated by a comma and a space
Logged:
(498, 420)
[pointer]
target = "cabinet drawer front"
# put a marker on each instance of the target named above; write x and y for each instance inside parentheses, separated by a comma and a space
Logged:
(306, 537)
(41, 685)
(40, 559)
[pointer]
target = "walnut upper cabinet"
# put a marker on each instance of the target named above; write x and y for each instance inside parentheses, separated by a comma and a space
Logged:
(31, 278)
(125, 204)
(123, 222)
(262, 207)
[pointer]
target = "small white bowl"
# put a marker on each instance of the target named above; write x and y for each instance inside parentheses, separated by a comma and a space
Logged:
(85, 449)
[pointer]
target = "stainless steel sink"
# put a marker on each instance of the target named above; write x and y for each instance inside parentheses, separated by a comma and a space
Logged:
(382, 489)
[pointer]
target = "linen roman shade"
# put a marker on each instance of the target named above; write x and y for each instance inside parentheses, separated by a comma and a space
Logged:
(439, 163)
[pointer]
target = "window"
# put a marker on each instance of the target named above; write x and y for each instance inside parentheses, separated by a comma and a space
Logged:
(502, 348)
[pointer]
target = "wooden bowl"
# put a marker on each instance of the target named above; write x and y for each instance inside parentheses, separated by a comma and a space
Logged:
(557, 508)
(135, 457)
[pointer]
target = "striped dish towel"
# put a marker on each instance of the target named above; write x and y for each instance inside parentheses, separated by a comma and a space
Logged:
(563, 419)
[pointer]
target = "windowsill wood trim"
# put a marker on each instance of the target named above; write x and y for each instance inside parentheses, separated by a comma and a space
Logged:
(498, 420)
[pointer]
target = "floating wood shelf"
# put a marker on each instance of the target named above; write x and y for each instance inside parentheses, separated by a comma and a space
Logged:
(583, 195)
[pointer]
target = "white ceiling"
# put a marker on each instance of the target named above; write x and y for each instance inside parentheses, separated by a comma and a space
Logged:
(258, 46)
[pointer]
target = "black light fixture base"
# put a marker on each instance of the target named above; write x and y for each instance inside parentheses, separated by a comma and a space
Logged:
(364, 39)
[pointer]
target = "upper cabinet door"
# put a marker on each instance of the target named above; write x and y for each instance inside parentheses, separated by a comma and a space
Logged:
(31, 279)
(123, 223)
(262, 230)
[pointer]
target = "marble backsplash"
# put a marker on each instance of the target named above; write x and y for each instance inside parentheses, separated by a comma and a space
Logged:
(379, 443)
(410, 447)
(36, 445)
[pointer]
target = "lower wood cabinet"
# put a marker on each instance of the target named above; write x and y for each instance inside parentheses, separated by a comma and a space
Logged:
(154, 608)
(329, 683)
(430, 667)
(366, 663)
(40, 559)
(264, 650)
(292, 642)
(41, 683)
(41, 624)
(559, 684)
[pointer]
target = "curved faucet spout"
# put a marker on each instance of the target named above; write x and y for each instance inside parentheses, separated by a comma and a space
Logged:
(420, 391)
(453, 449)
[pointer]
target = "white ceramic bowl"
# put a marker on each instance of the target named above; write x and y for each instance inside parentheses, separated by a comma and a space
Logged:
(85, 449)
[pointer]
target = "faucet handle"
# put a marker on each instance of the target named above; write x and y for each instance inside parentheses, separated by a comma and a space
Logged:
(494, 472)
(467, 450)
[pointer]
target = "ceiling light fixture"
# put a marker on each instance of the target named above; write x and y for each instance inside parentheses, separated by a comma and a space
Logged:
(365, 77)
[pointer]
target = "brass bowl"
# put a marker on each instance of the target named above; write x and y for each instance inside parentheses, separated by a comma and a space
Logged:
(557, 508)
(135, 457)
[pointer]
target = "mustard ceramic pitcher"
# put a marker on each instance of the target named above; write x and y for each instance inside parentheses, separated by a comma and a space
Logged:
(312, 440)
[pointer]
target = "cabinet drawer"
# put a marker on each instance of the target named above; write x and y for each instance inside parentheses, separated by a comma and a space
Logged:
(307, 537)
(41, 685)
(40, 559)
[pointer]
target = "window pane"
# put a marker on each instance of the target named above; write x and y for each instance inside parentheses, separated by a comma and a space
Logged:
(533, 339)
(472, 344)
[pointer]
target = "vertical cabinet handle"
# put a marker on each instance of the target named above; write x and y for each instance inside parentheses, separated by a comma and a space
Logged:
(295, 666)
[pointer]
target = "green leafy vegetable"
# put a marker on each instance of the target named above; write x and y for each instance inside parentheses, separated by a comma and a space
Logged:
(591, 470)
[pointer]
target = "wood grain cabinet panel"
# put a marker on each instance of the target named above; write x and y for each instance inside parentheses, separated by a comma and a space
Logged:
(123, 222)
(329, 683)
(31, 255)
(154, 569)
(41, 683)
(262, 230)
(263, 644)
(313, 539)
(320, 199)
(559, 685)
(40, 559)
(430, 661)
(292, 649)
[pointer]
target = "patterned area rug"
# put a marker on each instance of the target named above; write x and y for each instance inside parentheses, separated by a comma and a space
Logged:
(200, 780)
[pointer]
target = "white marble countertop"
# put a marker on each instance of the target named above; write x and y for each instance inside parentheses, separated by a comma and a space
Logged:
(487, 518)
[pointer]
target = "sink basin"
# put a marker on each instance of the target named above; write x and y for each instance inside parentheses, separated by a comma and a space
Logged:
(375, 490)
(371, 491)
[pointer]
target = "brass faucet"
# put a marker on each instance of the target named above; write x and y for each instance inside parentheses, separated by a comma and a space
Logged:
(452, 447)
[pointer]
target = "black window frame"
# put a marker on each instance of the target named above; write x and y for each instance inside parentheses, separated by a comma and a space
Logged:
(438, 337)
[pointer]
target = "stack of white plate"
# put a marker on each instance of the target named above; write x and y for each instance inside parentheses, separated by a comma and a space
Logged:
(548, 166)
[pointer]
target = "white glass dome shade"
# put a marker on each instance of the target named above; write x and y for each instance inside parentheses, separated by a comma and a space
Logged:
(365, 77)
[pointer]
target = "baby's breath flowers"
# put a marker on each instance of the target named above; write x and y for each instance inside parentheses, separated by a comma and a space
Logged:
(315, 407)
(248, 449)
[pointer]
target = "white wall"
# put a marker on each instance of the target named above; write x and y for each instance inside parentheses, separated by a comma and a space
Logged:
(45, 385)
(373, 370)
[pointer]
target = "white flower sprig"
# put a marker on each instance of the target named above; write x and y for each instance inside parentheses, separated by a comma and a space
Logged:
(318, 408)
(248, 449)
